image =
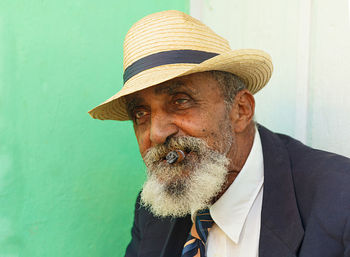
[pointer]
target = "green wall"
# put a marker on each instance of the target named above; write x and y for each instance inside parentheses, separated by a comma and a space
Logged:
(67, 182)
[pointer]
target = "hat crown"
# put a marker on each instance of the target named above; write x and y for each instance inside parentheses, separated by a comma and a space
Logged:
(171, 44)
(170, 30)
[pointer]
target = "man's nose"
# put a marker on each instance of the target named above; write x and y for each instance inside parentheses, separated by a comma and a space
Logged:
(162, 127)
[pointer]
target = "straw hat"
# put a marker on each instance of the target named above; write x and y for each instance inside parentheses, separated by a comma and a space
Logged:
(170, 44)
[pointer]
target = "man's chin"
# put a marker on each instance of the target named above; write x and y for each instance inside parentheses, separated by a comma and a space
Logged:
(186, 195)
(174, 180)
(186, 187)
(165, 199)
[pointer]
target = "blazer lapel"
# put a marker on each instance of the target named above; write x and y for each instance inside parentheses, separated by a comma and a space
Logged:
(177, 237)
(281, 227)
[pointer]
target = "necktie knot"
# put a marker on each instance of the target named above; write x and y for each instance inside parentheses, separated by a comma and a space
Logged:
(195, 245)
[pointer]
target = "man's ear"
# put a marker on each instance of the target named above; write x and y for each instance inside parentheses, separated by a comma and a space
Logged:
(242, 111)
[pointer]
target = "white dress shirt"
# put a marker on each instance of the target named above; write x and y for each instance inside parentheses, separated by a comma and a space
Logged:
(237, 213)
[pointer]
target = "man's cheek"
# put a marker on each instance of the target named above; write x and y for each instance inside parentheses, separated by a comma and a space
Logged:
(143, 144)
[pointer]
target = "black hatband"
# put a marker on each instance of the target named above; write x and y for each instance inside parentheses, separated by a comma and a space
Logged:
(167, 57)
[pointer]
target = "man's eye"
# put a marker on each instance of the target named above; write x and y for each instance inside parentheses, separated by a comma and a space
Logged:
(140, 114)
(181, 101)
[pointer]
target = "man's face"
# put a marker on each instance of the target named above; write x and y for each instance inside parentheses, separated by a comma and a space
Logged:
(192, 105)
(187, 113)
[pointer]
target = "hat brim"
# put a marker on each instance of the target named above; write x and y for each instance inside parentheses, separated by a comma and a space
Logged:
(254, 67)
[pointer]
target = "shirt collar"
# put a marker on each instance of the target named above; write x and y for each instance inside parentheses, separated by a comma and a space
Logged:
(230, 211)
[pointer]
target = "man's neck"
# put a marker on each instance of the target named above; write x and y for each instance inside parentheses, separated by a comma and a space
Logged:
(243, 145)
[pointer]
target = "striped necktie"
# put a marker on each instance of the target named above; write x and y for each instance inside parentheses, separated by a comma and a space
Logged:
(195, 245)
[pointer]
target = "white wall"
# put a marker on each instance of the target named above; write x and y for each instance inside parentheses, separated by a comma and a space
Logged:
(308, 96)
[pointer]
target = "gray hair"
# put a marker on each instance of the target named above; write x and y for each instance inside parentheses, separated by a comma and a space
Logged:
(230, 84)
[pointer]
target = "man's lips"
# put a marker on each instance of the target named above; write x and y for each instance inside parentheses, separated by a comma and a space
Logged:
(188, 156)
(175, 156)
(189, 153)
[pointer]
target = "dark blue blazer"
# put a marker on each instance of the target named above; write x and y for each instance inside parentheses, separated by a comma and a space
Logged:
(305, 211)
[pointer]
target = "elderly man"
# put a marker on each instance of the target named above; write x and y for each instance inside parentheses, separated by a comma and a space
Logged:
(218, 184)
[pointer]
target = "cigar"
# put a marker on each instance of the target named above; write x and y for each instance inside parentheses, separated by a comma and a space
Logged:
(175, 156)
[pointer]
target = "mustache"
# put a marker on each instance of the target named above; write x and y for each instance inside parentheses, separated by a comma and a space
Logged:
(187, 144)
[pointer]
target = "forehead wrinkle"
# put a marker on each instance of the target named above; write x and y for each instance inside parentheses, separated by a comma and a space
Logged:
(169, 88)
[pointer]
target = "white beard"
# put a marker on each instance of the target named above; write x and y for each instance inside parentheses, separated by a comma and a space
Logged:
(184, 188)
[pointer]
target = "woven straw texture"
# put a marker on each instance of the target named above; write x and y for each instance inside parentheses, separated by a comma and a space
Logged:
(174, 30)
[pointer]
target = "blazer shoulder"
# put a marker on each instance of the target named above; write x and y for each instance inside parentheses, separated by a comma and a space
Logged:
(321, 182)
(303, 157)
